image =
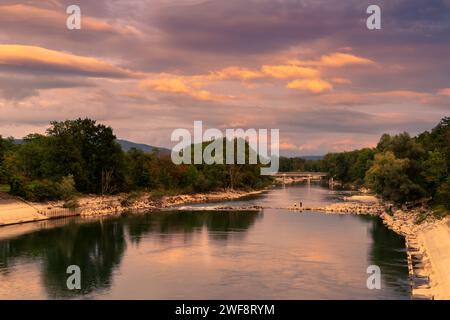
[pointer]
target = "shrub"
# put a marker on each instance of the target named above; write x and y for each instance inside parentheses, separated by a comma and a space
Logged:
(71, 204)
(17, 186)
(156, 195)
(66, 188)
(130, 199)
(41, 190)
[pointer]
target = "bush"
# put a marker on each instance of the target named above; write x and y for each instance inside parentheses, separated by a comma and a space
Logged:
(71, 204)
(156, 195)
(41, 190)
(66, 188)
(130, 199)
(18, 186)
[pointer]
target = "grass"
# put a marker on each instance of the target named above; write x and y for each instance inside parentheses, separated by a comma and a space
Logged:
(71, 204)
(4, 188)
(130, 199)
(440, 211)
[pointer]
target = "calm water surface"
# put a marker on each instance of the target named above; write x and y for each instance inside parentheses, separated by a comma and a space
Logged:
(273, 254)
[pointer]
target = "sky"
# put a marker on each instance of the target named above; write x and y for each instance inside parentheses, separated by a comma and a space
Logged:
(309, 68)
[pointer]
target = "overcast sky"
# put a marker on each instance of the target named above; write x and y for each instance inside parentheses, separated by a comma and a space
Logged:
(309, 68)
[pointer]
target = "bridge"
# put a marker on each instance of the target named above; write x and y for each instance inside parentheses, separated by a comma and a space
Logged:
(301, 176)
(306, 175)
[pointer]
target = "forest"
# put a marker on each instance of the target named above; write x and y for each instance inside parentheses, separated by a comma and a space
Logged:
(83, 157)
(401, 169)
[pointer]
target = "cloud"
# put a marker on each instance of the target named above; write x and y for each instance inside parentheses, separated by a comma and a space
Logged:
(46, 18)
(20, 58)
(289, 71)
(177, 86)
(350, 98)
(234, 72)
(341, 80)
(16, 88)
(312, 85)
(444, 92)
(335, 60)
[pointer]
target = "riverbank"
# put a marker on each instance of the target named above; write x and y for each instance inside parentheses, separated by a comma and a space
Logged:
(428, 249)
(427, 243)
(427, 239)
(14, 210)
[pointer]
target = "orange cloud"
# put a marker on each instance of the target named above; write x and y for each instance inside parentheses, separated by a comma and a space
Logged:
(50, 18)
(400, 94)
(312, 85)
(341, 80)
(335, 60)
(177, 86)
(41, 59)
(234, 72)
(355, 98)
(289, 71)
(444, 92)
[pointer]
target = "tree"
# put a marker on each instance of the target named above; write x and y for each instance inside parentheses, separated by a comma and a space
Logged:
(138, 169)
(435, 170)
(7, 146)
(388, 177)
(89, 152)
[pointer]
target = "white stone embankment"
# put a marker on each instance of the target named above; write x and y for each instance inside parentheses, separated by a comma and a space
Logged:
(14, 210)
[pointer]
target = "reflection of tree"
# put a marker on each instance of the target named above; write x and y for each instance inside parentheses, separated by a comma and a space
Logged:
(388, 252)
(187, 222)
(95, 247)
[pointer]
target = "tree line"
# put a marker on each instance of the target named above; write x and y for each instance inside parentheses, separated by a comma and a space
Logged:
(400, 168)
(81, 156)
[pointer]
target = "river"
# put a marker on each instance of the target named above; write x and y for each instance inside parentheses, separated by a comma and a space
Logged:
(273, 254)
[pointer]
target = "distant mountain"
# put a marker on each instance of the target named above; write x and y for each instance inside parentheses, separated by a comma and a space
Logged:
(127, 145)
(312, 157)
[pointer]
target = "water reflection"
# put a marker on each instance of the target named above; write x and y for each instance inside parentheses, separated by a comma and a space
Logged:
(222, 255)
(98, 247)
(388, 251)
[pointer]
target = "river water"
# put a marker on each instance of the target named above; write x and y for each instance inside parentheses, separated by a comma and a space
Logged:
(274, 254)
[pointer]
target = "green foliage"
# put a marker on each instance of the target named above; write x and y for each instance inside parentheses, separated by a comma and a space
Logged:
(292, 164)
(83, 156)
(71, 204)
(66, 188)
(41, 190)
(388, 177)
(17, 186)
(443, 193)
(130, 199)
(401, 168)
(6, 147)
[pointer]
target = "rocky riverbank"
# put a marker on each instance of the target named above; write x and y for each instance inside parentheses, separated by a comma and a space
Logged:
(427, 242)
(14, 210)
